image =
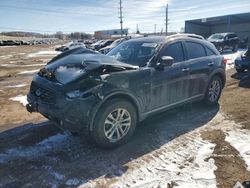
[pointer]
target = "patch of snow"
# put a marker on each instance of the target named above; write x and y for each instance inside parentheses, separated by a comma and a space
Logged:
(17, 86)
(37, 150)
(14, 65)
(5, 56)
(20, 98)
(58, 176)
(240, 140)
(187, 165)
(8, 46)
(43, 53)
(29, 72)
(73, 181)
(49, 142)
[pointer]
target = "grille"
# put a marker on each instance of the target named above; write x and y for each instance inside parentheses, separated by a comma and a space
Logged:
(44, 94)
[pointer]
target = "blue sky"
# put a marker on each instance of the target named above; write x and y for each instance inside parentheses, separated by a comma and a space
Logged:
(49, 16)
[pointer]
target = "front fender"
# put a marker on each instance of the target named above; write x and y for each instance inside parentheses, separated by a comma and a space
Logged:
(115, 94)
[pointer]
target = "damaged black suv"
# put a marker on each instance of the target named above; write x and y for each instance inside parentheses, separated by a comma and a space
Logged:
(105, 96)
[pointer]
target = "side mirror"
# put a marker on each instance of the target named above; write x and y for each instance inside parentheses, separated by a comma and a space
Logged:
(165, 61)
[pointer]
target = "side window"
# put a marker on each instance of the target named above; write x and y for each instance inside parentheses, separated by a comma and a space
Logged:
(175, 51)
(195, 50)
(232, 36)
(210, 52)
(229, 36)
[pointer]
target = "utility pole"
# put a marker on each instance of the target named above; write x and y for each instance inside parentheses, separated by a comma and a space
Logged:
(137, 29)
(121, 17)
(167, 20)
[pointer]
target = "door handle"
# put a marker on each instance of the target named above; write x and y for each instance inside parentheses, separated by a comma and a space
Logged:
(210, 64)
(185, 69)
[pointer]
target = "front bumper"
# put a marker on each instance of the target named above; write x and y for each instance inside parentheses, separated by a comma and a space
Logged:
(69, 114)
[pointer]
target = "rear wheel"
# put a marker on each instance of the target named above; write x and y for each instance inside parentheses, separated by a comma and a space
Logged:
(213, 91)
(114, 124)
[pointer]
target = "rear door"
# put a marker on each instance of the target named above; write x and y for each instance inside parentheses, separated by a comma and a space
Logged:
(201, 61)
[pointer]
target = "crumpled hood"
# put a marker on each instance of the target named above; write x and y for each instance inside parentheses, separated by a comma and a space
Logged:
(88, 61)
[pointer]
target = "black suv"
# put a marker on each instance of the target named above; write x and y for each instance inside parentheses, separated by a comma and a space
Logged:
(224, 41)
(109, 94)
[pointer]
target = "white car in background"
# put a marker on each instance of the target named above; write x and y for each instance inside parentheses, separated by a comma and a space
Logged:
(70, 46)
(106, 49)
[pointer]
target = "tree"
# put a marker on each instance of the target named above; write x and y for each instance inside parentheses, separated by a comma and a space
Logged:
(59, 35)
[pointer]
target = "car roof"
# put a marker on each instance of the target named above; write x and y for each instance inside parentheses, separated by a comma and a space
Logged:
(155, 39)
(224, 33)
(165, 39)
(172, 38)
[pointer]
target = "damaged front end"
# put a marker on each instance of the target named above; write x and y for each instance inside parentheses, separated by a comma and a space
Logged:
(67, 92)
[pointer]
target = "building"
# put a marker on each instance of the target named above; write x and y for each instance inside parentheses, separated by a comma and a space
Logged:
(238, 23)
(107, 34)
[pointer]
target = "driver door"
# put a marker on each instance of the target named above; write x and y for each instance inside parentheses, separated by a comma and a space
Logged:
(170, 86)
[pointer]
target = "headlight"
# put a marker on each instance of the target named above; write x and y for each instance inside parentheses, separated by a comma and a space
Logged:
(75, 94)
(83, 94)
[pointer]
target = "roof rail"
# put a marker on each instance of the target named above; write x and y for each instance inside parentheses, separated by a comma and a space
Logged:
(186, 35)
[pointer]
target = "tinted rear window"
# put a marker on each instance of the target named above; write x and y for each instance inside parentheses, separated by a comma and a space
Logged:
(195, 50)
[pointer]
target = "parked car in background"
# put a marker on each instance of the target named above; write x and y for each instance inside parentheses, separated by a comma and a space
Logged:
(243, 43)
(93, 46)
(9, 42)
(70, 45)
(224, 41)
(242, 62)
(103, 44)
(106, 95)
(106, 49)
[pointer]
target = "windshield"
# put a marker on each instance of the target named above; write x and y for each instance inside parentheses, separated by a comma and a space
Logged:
(216, 36)
(134, 53)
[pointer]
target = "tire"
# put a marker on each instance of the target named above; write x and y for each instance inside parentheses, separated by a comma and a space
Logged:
(107, 123)
(235, 48)
(240, 70)
(213, 91)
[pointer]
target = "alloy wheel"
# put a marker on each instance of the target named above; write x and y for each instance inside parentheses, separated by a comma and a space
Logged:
(214, 90)
(117, 124)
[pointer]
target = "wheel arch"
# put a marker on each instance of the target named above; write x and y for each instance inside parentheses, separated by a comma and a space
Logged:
(221, 74)
(117, 95)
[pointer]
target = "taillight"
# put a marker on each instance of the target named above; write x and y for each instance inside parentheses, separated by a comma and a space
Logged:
(224, 61)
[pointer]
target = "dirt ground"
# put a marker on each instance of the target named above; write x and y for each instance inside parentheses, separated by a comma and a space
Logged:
(34, 153)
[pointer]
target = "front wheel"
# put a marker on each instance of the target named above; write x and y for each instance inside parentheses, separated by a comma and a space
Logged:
(240, 70)
(114, 123)
(213, 91)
